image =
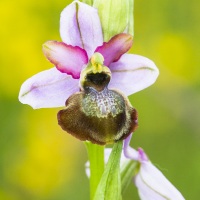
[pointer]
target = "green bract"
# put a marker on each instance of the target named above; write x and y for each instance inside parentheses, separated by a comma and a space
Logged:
(116, 16)
(89, 2)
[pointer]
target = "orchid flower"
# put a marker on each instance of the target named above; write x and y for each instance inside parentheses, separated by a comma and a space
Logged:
(150, 182)
(81, 33)
(93, 79)
(84, 61)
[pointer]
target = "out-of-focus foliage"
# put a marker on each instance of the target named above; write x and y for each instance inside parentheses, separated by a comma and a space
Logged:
(39, 161)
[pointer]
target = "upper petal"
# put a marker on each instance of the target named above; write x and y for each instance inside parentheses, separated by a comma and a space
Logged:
(133, 73)
(153, 185)
(66, 58)
(80, 26)
(47, 89)
(115, 47)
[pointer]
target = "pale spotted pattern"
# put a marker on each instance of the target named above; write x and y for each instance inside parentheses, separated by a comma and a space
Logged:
(100, 104)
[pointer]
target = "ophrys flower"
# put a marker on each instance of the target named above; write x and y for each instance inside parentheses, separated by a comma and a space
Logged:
(81, 32)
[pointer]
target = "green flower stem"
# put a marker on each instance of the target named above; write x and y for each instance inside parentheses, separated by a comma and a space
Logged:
(96, 159)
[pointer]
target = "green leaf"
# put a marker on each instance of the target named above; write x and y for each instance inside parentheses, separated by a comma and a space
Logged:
(109, 187)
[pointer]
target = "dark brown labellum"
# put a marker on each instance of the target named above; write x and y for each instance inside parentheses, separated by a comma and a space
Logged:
(96, 113)
(100, 117)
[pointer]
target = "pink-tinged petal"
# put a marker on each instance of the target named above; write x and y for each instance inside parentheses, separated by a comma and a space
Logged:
(48, 89)
(133, 73)
(66, 58)
(129, 152)
(142, 155)
(115, 47)
(153, 185)
(80, 26)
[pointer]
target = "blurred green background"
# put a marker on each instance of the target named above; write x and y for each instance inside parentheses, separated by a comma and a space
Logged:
(38, 161)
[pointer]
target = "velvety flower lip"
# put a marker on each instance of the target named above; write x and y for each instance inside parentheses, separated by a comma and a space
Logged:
(81, 32)
(151, 183)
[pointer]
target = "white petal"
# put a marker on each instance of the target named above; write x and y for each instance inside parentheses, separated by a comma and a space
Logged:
(144, 192)
(80, 26)
(47, 89)
(133, 73)
(152, 183)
